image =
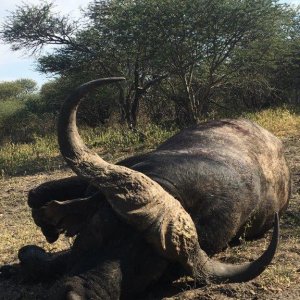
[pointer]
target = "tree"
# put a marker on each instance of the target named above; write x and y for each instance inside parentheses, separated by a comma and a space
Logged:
(17, 89)
(212, 46)
(199, 53)
(105, 47)
(93, 112)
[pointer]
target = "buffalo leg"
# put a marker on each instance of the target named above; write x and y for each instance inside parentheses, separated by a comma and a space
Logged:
(101, 282)
(36, 265)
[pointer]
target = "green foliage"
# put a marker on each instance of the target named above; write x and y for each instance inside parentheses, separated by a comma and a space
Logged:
(42, 154)
(94, 111)
(29, 158)
(117, 139)
(196, 55)
(9, 108)
(21, 112)
(208, 52)
(219, 49)
(23, 125)
(18, 89)
(50, 28)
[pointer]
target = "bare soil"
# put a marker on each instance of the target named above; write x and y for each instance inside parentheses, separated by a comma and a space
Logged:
(281, 280)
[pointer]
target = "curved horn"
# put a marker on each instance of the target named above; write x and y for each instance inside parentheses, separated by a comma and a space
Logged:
(219, 272)
(146, 205)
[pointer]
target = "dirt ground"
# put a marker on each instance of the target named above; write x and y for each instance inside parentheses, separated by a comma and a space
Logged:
(281, 280)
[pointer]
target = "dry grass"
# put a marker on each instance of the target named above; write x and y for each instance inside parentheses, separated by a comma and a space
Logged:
(280, 281)
(281, 121)
(42, 154)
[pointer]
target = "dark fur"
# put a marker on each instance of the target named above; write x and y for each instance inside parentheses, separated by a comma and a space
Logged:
(216, 172)
(229, 175)
(109, 259)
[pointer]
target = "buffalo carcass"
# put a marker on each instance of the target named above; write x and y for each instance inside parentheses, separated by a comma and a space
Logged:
(203, 188)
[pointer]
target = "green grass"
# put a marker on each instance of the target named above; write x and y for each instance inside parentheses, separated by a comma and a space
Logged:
(115, 139)
(42, 153)
(28, 158)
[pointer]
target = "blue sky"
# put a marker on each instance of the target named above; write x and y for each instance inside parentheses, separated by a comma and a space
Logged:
(16, 65)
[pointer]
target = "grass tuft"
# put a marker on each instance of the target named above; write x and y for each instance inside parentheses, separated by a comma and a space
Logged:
(281, 121)
(42, 154)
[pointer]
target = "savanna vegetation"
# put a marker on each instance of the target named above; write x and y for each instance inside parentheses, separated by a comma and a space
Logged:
(184, 62)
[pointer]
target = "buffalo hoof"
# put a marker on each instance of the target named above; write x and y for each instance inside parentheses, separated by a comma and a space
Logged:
(34, 261)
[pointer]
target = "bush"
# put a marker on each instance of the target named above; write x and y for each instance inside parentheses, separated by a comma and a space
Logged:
(9, 108)
(20, 121)
(282, 121)
(23, 126)
(29, 158)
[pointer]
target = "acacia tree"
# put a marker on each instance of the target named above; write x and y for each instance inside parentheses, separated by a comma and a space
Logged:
(112, 43)
(17, 89)
(212, 46)
(204, 49)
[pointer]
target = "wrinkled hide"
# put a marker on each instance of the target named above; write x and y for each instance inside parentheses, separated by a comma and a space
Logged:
(229, 191)
(202, 189)
(109, 259)
(230, 173)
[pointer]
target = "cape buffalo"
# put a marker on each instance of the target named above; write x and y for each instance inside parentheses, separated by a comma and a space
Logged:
(203, 188)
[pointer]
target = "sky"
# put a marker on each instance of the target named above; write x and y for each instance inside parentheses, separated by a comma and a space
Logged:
(16, 65)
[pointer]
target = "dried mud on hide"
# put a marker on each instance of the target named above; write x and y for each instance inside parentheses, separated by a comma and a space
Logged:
(281, 280)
